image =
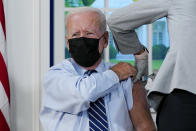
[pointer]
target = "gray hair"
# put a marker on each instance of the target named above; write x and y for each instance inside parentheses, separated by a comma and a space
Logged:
(102, 18)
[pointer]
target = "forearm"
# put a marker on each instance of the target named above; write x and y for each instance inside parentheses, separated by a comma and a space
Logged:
(138, 13)
(125, 20)
(140, 113)
(126, 43)
(98, 85)
(72, 93)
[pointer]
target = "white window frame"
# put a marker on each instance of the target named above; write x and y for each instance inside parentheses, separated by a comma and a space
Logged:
(59, 31)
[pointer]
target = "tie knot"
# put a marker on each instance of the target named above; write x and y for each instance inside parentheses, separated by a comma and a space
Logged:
(89, 72)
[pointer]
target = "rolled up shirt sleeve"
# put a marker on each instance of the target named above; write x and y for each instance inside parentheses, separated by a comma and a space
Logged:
(127, 88)
(66, 91)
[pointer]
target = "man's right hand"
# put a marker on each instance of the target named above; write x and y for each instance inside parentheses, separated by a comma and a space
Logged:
(124, 70)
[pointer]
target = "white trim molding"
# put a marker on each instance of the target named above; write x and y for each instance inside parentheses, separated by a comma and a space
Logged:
(36, 66)
(59, 31)
(149, 28)
(41, 15)
(44, 53)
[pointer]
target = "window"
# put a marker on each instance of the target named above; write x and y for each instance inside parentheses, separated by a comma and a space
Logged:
(160, 39)
(160, 44)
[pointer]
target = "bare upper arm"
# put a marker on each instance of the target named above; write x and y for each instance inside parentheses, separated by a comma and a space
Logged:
(140, 113)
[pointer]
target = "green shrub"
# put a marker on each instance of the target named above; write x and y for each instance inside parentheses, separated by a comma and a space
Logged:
(87, 2)
(159, 51)
(113, 52)
(67, 54)
(72, 3)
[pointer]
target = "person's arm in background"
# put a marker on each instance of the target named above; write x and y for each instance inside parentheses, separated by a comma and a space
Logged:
(122, 24)
(124, 21)
(140, 113)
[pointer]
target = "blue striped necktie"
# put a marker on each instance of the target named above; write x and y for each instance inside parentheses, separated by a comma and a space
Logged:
(97, 113)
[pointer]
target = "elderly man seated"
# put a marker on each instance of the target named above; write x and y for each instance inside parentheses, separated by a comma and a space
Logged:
(83, 93)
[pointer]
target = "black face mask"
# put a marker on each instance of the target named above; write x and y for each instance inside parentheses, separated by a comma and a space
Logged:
(84, 50)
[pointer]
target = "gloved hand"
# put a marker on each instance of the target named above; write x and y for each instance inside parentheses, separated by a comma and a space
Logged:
(141, 65)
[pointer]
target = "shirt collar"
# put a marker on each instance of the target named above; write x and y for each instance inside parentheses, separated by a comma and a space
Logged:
(81, 71)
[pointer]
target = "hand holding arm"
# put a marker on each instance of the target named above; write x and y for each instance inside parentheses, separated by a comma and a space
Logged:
(124, 70)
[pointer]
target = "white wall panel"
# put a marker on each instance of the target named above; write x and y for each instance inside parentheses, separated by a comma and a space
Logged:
(28, 60)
